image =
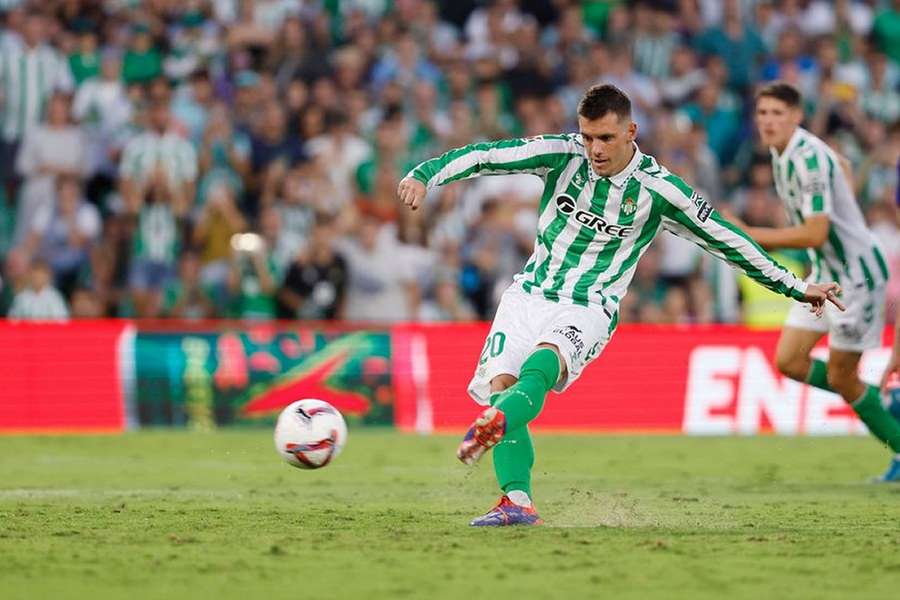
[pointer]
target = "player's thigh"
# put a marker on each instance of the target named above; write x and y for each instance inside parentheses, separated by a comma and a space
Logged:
(860, 327)
(505, 348)
(802, 331)
(795, 345)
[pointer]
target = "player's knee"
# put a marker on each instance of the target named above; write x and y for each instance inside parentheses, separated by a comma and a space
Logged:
(501, 382)
(562, 363)
(791, 366)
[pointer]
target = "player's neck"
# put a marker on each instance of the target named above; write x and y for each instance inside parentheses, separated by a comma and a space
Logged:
(780, 148)
(625, 162)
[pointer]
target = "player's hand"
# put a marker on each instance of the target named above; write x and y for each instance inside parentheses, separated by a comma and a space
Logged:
(411, 192)
(893, 368)
(817, 294)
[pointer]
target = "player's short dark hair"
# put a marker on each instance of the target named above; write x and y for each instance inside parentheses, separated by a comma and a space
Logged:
(783, 91)
(602, 99)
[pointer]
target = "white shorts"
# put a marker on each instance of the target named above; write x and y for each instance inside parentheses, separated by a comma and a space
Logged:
(522, 322)
(858, 328)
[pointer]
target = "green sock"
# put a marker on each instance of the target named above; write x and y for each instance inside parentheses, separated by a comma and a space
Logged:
(818, 375)
(523, 401)
(513, 459)
(879, 421)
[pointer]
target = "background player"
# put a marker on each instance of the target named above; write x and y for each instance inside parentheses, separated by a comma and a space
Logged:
(603, 203)
(814, 183)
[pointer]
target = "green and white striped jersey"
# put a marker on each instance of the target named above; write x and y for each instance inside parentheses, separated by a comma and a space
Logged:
(145, 151)
(591, 229)
(27, 78)
(810, 181)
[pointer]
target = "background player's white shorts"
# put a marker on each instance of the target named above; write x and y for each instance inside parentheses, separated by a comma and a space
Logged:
(522, 322)
(857, 329)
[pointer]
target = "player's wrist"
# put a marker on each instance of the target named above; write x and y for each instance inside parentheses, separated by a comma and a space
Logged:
(417, 177)
(799, 291)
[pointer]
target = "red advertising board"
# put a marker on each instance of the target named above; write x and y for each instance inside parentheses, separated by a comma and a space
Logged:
(63, 377)
(697, 380)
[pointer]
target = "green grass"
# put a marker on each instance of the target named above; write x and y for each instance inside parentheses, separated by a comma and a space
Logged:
(181, 515)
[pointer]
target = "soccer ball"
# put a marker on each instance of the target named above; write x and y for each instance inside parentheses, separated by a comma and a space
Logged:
(310, 434)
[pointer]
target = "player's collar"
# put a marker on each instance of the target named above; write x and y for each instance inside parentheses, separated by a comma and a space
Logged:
(796, 138)
(622, 176)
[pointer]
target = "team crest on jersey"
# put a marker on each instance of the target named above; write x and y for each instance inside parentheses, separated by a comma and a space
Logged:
(629, 206)
(578, 179)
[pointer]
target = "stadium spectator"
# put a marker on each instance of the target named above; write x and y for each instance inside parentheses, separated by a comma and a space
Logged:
(104, 110)
(143, 61)
(316, 280)
(219, 219)
(62, 233)
(224, 155)
(84, 63)
(185, 297)
(447, 303)
(158, 173)
(380, 280)
(31, 72)
(886, 31)
(85, 304)
(339, 151)
(737, 43)
(273, 151)
(255, 273)
(53, 149)
(39, 300)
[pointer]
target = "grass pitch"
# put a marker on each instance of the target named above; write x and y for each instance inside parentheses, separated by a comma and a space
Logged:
(185, 515)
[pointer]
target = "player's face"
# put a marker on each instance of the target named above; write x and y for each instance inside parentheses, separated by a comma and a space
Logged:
(776, 121)
(608, 142)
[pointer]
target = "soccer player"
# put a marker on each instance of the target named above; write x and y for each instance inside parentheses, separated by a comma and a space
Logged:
(603, 203)
(814, 183)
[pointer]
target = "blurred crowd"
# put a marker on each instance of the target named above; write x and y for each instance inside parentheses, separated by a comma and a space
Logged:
(240, 158)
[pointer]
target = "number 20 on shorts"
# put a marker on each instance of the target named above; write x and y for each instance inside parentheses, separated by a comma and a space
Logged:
(493, 346)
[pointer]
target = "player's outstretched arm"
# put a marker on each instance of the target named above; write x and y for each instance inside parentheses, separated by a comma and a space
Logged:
(688, 215)
(534, 155)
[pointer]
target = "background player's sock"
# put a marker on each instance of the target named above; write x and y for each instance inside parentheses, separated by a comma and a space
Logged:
(877, 419)
(818, 375)
(523, 401)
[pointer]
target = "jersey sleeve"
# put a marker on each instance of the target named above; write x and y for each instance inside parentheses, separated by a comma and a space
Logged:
(812, 169)
(535, 155)
(688, 215)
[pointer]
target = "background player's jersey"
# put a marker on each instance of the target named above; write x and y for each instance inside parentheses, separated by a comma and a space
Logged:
(591, 229)
(810, 180)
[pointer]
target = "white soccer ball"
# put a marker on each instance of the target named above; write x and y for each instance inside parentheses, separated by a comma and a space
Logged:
(310, 434)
